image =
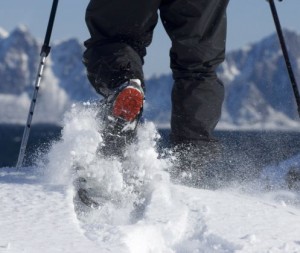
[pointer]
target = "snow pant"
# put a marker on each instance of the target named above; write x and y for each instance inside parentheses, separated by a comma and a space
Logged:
(120, 32)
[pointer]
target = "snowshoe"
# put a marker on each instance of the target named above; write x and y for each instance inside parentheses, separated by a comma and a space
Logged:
(88, 194)
(84, 193)
(85, 198)
(120, 112)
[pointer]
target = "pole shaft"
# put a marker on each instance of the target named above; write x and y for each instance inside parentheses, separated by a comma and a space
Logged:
(31, 111)
(44, 53)
(285, 53)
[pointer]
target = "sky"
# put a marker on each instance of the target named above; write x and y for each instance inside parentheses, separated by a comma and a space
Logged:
(248, 22)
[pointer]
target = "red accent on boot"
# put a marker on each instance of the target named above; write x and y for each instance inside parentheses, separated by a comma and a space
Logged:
(128, 104)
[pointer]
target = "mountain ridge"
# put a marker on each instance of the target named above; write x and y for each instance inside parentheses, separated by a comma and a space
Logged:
(258, 91)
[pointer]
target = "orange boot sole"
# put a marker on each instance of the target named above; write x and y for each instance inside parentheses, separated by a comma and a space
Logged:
(128, 104)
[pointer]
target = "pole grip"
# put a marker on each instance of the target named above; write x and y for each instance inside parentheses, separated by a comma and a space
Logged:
(46, 48)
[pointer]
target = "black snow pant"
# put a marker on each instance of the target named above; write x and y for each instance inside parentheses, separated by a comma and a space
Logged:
(122, 29)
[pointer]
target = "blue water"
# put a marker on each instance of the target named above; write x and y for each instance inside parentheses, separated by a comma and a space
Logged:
(260, 147)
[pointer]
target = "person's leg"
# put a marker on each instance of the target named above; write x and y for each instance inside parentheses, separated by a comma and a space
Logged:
(197, 29)
(120, 32)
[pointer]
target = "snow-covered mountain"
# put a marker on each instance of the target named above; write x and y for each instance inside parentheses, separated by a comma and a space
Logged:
(3, 33)
(64, 80)
(258, 91)
(258, 88)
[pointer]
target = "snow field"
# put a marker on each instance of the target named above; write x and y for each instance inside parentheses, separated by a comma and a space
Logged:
(37, 218)
(144, 212)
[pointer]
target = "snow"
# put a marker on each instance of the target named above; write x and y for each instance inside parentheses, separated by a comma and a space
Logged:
(230, 72)
(34, 216)
(52, 101)
(8, 111)
(3, 33)
(146, 213)
(274, 121)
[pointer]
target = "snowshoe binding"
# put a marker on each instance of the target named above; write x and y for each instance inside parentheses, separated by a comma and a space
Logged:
(85, 196)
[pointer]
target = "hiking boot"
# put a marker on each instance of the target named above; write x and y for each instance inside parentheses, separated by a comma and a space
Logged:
(124, 110)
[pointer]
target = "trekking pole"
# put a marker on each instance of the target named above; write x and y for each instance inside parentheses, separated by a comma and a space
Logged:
(285, 53)
(43, 55)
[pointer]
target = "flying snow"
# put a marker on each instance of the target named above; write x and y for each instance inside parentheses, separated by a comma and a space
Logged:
(142, 209)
